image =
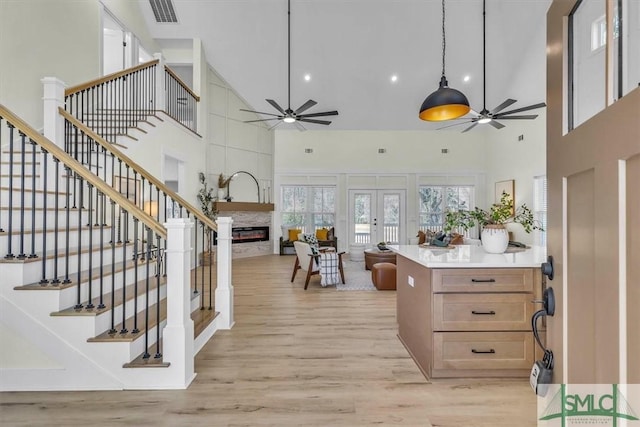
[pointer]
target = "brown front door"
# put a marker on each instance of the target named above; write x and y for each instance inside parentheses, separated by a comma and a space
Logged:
(594, 226)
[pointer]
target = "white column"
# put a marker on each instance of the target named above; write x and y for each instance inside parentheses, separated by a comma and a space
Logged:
(178, 333)
(53, 122)
(53, 97)
(224, 288)
(160, 92)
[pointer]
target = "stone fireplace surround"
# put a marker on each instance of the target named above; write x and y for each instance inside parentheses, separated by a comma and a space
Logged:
(250, 219)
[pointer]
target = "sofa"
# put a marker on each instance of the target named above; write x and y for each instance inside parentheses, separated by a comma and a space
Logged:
(290, 235)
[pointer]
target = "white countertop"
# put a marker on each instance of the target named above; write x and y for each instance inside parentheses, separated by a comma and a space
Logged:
(471, 256)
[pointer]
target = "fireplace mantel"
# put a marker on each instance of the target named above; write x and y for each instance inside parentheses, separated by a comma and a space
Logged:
(243, 206)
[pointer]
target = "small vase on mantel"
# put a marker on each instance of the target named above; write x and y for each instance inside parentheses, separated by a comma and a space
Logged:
(221, 195)
(495, 238)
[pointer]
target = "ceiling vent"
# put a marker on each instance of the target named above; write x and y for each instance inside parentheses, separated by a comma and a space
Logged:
(163, 10)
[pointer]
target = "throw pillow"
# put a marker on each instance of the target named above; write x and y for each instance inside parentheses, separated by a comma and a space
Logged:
(330, 234)
(312, 241)
(422, 238)
(321, 234)
(293, 234)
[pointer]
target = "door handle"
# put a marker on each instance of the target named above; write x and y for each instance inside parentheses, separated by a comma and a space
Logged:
(491, 351)
(489, 313)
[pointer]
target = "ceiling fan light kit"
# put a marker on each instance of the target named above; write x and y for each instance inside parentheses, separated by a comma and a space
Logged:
(445, 103)
(289, 115)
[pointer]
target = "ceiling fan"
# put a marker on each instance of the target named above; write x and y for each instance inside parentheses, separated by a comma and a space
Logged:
(489, 117)
(288, 115)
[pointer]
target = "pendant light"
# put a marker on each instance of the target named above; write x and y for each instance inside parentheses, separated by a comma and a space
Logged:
(445, 103)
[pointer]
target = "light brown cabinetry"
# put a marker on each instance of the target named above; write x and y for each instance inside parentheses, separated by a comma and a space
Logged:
(468, 322)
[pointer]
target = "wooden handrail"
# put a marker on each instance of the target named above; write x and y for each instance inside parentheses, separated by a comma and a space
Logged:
(183, 84)
(148, 176)
(79, 169)
(83, 86)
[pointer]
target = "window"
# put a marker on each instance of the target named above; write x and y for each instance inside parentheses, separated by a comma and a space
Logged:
(436, 201)
(540, 209)
(308, 208)
(599, 30)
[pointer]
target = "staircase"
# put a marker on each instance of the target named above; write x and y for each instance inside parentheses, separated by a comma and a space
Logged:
(93, 284)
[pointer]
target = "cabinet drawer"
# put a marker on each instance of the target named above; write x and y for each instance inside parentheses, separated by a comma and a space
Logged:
(483, 350)
(482, 312)
(482, 280)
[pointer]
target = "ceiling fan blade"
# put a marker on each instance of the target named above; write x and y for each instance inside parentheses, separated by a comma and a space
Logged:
(455, 124)
(275, 125)
(496, 125)
(502, 106)
(276, 106)
(519, 110)
(526, 116)
(470, 127)
(299, 126)
(319, 122)
(262, 120)
(326, 113)
(259, 112)
(304, 107)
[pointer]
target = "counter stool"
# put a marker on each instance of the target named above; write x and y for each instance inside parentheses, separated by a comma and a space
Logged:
(383, 276)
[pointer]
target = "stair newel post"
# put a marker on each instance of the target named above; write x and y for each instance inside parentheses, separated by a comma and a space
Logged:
(119, 210)
(164, 258)
(158, 84)
(21, 255)
(67, 209)
(147, 249)
(56, 228)
(97, 173)
(104, 178)
(53, 99)
(210, 231)
(204, 254)
(9, 254)
(136, 242)
(224, 288)
(125, 213)
(129, 192)
(177, 336)
(78, 305)
(33, 199)
(158, 354)
(45, 161)
(100, 196)
(112, 330)
(90, 278)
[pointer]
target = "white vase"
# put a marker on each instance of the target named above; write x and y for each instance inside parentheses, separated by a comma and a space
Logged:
(221, 195)
(495, 238)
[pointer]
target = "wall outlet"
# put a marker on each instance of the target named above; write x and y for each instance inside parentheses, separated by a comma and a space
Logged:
(411, 282)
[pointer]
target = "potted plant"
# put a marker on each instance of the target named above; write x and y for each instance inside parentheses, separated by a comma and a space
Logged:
(206, 199)
(495, 237)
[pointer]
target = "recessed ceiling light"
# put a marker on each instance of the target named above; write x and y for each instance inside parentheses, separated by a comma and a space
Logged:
(307, 77)
(394, 78)
(484, 120)
(466, 78)
(288, 120)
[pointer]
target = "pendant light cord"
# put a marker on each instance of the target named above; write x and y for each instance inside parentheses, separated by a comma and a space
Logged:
(444, 41)
(484, 57)
(289, 54)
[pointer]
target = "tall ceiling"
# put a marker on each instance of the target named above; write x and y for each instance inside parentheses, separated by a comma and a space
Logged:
(351, 48)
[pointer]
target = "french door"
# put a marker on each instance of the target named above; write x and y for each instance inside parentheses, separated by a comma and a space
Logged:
(376, 216)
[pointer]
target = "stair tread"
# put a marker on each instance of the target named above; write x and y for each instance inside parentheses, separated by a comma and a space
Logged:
(72, 311)
(130, 336)
(150, 362)
(84, 277)
(202, 319)
(60, 230)
(51, 253)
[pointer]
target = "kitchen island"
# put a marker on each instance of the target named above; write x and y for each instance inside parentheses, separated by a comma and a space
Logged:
(463, 312)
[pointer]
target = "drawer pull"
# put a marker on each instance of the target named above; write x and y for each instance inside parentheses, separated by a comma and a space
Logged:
(483, 280)
(489, 313)
(491, 351)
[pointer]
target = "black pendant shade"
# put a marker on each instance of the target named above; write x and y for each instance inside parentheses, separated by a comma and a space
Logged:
(445, 103)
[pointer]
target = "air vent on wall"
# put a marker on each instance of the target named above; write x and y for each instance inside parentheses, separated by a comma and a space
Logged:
(163, 10)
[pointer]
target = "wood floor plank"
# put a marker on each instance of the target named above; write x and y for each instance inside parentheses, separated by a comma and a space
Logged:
(319, 357)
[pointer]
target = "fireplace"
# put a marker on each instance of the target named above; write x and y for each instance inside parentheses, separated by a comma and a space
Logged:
(246, 235)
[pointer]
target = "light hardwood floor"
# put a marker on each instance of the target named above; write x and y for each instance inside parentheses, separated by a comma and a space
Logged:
(294, 358)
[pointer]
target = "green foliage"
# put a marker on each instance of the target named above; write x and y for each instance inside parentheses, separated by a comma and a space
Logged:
(500, 213)
(206, 196)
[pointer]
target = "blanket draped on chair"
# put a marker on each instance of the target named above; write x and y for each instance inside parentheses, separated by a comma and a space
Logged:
(329, 273)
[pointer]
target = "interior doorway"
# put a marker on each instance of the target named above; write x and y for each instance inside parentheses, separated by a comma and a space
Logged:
(116, 45)
(173, 177)
(376, 216)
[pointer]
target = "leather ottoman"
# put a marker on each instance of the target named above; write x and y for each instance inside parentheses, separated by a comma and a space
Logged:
(372, 256)
(383, 276)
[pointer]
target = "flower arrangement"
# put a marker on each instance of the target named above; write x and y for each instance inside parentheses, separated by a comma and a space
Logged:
(500, 214)
(206, 197)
